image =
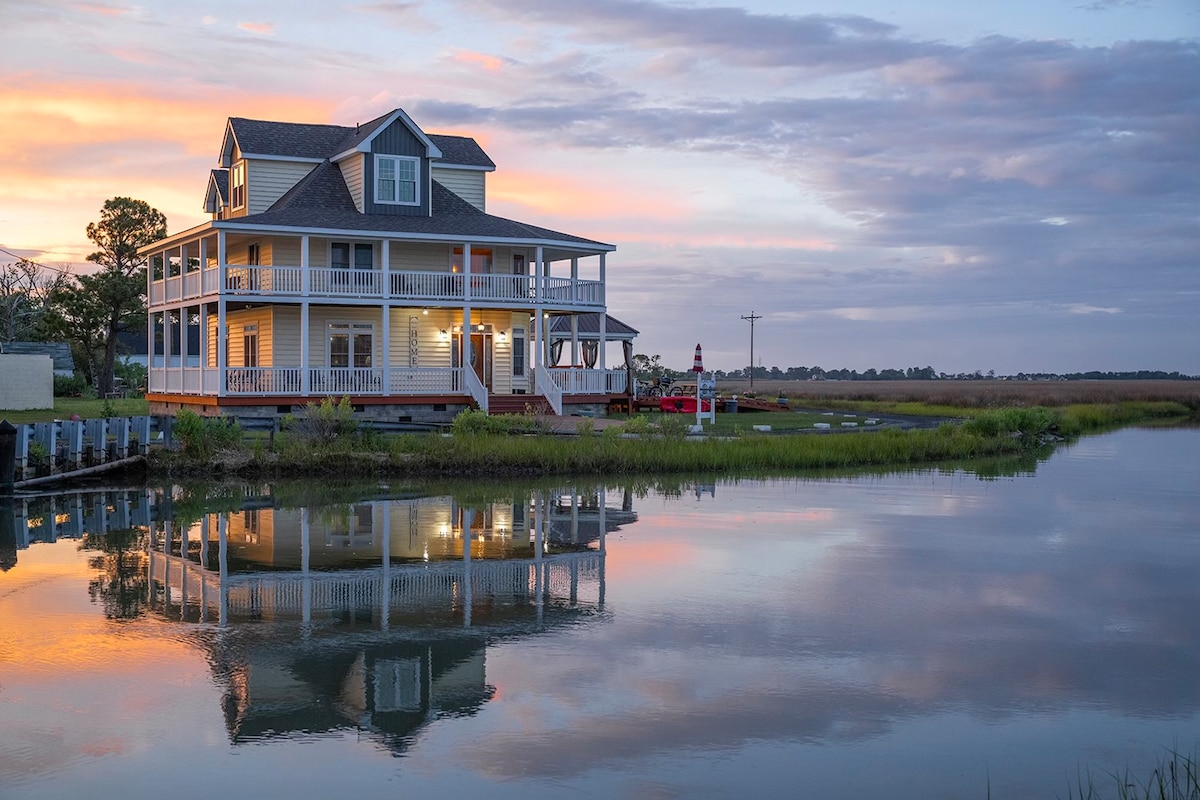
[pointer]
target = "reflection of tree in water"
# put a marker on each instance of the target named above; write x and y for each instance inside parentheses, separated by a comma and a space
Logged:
(121, 582)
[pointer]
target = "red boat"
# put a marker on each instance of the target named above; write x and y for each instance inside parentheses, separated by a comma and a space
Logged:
(682, 404)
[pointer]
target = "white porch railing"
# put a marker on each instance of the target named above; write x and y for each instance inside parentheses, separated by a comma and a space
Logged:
(425, 285)
(345, 380)
(548, 389)
(551, 383)
(289, 281)
(344, 282)
(589, 381)
(262, 380)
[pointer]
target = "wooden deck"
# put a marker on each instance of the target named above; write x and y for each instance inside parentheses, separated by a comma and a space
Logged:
(744, 405)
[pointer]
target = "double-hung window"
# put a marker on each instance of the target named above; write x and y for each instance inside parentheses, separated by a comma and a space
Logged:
(396, 180)
(340, 254)
(518, 352)
(237, 184)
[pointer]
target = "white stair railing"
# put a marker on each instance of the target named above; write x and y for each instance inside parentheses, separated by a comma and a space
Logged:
(476, 388)
(548, 389)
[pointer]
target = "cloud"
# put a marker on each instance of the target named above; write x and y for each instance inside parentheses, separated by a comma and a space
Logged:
(726, 34)
(261, 28)
(488, 62)
(1084, 308)
(403, 16)
(102, 9)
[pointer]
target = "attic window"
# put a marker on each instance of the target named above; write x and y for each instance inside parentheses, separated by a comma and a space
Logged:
(396, 180)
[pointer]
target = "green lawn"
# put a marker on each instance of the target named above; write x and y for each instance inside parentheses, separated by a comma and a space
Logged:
(87, 408)
(778, 420)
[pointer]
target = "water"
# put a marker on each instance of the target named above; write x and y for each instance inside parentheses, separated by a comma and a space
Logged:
(924, 634)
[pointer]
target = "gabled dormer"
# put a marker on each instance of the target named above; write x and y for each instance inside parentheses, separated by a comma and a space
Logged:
(386, 165)
(265, 159)
(216, 196)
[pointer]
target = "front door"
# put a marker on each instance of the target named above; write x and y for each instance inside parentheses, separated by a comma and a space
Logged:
(480, 357)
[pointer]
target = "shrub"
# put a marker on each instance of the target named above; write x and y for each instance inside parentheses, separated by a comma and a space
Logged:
(1026, 421)
(586, 426)
(201, 437)
(69, 385)
(472, 422)
(674, 426)
(639, 425)
(324, 422)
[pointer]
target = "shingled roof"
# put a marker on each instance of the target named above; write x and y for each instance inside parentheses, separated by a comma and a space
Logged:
(256, 137)
(322, 200)
(588, 327)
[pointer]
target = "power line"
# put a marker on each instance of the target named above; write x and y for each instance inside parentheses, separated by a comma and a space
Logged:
(751, 318)
(38, 264)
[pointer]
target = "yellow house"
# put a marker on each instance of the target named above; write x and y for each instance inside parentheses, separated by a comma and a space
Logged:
(361, 261)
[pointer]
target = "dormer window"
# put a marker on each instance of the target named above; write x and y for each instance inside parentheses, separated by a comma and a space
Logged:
(237, 184)
(396, 180)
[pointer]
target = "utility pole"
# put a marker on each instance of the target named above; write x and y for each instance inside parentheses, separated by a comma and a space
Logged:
(751, 318)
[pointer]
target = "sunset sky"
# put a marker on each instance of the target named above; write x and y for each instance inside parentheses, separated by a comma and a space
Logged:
(1011, 186)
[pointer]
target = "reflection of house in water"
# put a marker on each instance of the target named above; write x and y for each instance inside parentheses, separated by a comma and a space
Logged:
(376, 615)
(66, 514)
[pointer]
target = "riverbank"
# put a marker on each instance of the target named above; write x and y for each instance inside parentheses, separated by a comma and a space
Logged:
(325, 443)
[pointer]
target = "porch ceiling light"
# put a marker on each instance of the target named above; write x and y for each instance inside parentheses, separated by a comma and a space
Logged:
(479, 326)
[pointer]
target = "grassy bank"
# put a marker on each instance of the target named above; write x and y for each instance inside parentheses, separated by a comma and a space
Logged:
(327, 441)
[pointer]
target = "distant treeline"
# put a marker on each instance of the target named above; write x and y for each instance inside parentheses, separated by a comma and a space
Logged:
(930, 374)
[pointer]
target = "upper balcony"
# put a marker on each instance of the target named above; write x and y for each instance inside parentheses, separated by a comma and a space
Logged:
(294, 283)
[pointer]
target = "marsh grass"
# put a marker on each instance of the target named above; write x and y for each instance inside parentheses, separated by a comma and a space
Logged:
(1176, 776)
(953, 394)
(659, 451)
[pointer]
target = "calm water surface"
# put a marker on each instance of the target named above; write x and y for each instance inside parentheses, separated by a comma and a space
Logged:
(925, 634)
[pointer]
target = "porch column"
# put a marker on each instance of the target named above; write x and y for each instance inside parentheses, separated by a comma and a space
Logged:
(466, 272)
(222, 336)
(150, 368)
(222, 243)
(575, 340)
(574, 279)
(465, 339)
(545, 268)
(304, 276)
(202, 253)
(185, 316)
(222, 333)
(603, 321)
(166, 334)
(386, 330)
(305, 372)
(385, 264)
(536, 350)
(204, 341)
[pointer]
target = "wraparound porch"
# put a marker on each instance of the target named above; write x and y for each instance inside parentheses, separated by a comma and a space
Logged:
(315, 383)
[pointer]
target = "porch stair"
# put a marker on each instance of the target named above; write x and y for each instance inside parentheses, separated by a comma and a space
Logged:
(518, 404)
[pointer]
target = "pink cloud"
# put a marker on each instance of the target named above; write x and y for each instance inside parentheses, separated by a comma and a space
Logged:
(102, 9)
(490, 63)
(262, 28)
